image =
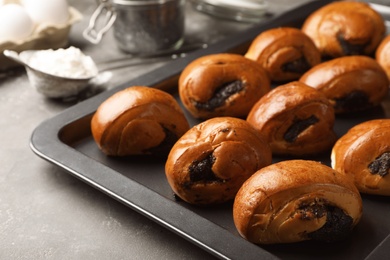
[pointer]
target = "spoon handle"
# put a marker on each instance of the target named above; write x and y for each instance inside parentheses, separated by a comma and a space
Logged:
(133, 60)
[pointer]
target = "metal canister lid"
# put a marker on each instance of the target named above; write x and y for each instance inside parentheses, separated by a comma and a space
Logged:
(140, 2)
(243, 10)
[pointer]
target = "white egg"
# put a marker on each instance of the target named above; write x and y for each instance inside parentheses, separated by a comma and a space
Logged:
(16, 24)
(52, 12)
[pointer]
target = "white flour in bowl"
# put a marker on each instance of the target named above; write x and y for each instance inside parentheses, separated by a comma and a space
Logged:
(70, 63)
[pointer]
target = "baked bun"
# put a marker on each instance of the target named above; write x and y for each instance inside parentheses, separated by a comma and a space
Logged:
(285, 53)
(351, 83)
(363, 154)
(382, 55)
(296, 120)
(138, 120)
(213, 159)
(222, 85)
(344, 28)
(294, 201)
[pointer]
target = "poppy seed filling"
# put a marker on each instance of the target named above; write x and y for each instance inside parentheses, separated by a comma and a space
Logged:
(221, 95)
(349, 48)
(297, 66)
(381, 165)
(353, 101)
(165, 146)
(201, 170)
(298, 126)
(337, 225)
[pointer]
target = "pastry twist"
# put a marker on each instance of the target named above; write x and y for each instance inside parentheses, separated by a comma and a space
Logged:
(138, 120)
(296, 200)
(222, 85)
(363, 154)
(345, 28)
(382, 55)
(296, 120)
(285, 53)
(351, 83)
(211, 161)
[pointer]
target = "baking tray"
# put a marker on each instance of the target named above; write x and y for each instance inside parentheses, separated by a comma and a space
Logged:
(139, 182)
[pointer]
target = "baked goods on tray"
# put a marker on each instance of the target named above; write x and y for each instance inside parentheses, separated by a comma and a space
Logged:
(382, 54)
(351, 83)
(296, 200)
(284, 52)
(222, 85)
(363, 154)
(345, 28)
(288, 201)
(138, 120)
(210, 162)
(296, 120)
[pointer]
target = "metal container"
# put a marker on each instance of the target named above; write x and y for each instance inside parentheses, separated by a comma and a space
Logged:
(140, 26)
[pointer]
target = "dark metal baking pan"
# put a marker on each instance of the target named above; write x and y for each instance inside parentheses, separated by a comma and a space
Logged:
(140, 183)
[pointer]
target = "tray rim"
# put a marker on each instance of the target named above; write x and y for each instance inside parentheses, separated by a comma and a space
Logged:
(46, 143)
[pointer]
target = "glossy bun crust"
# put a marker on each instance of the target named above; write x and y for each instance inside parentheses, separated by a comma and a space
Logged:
(296, 120)
(351, 83)
(296, 200)
(345, 28)
(382, 55)
(222, 85)
(138, 120)
(363, 154)
(284, 52)
(212, 160)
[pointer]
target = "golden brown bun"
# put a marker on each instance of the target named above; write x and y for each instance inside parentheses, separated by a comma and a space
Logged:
(222, 85)
(345, 28)
(138, 120)
(296, 120)
(363, 154)
(211, 161)
(296, 200)
(285, 53)
(382, 55)
(350, 83)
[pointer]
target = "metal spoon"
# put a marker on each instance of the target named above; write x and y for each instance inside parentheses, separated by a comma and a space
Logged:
(159, 56)
(55, 86)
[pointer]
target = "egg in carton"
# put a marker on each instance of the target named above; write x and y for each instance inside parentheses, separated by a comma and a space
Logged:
(34, 25)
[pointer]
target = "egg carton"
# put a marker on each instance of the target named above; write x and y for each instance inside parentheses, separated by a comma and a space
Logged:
(43, 37)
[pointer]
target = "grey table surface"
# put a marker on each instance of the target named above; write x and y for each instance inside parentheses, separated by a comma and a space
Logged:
(46, 213)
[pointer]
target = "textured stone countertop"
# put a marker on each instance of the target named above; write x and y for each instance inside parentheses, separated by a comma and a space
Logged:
(46, 213)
